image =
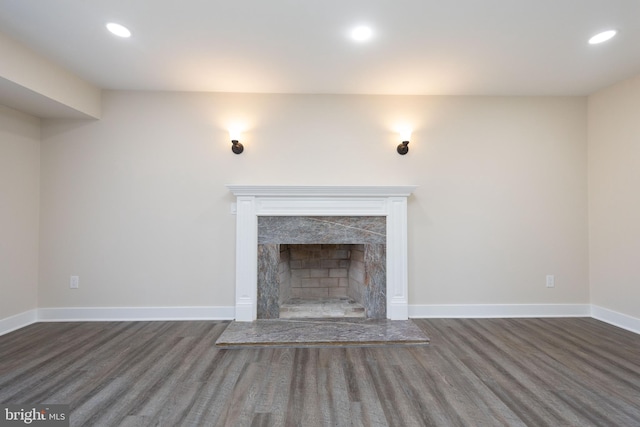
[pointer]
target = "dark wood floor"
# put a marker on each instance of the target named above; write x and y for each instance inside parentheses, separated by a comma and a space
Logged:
(490, 372)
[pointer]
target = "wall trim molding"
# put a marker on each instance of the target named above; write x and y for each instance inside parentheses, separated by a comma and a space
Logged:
(615, 318)
(498, 310)
(96, 314)
(18, 321)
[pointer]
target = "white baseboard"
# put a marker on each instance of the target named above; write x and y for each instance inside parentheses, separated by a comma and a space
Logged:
(617, 319)
(88, 314)
(96, 314)
(20, 320)
(498, 310)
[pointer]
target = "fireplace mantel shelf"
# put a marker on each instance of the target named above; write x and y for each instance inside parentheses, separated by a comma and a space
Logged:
(322, 190)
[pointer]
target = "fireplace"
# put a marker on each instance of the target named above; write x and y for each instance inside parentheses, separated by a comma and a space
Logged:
(320, 215)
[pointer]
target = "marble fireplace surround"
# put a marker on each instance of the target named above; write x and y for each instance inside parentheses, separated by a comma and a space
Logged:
(267, 200)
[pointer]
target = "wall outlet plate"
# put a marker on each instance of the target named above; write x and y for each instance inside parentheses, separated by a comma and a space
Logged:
(551, 281)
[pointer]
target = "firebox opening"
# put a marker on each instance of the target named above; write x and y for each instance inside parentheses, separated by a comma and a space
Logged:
(320, 281)
(323, 281)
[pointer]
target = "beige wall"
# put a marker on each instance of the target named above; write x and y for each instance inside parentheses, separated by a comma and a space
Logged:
(19, 209)
(614, 197)
(135, 203)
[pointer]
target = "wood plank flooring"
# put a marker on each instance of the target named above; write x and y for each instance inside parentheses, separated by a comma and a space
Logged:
(488, 372)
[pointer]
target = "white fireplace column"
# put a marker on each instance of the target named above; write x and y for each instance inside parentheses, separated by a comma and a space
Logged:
(265, 200)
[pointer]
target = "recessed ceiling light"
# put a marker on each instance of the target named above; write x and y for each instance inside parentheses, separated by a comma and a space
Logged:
(118, 30)
(361, 33)
(602, 37)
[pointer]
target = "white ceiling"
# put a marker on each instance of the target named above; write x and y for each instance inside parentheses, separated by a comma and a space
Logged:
(454, 47)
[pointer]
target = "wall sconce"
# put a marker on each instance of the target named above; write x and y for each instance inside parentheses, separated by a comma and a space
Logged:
(236, 146)
(405, 136)
(403, 147)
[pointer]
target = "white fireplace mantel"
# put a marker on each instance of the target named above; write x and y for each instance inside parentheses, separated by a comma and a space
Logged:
(268, 200)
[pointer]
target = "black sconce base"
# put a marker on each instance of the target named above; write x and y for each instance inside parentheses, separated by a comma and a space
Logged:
(403, 148)
(236, 147)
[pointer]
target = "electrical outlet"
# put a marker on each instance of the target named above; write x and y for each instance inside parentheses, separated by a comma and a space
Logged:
(74, 282)
(551, 281)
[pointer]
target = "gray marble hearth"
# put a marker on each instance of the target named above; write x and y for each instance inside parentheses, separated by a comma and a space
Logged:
(322, 333)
